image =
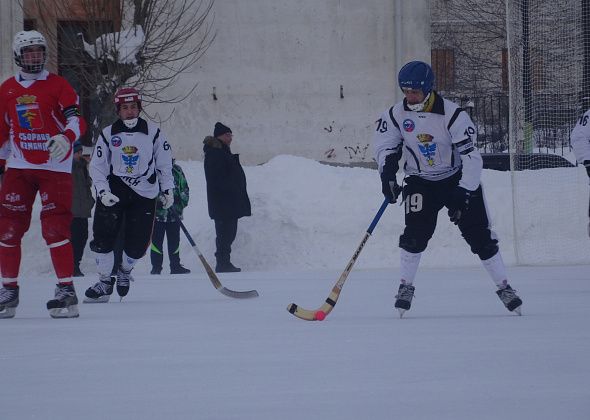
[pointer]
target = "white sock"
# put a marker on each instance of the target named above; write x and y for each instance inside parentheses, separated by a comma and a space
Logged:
(128, 263)
(104, 263)
(497, 270)
(408, 265)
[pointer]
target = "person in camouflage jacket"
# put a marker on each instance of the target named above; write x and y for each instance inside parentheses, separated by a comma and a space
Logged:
(167, 224)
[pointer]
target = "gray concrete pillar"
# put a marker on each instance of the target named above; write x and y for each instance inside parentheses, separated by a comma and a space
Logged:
(11, 21)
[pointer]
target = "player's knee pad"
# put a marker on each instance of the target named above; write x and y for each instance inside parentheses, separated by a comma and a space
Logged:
(56, 229)
(14, 231)
(413, 243)
(488, 250)
(101, 245)
(481, 243)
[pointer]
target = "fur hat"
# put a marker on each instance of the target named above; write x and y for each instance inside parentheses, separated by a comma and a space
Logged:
(220, 129)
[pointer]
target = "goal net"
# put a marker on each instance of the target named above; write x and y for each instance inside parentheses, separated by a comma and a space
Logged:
(548, 59)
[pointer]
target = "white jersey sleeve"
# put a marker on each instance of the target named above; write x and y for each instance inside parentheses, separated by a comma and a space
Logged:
(163, 159)
(387, 138)
(100, 166)
(464, 136)
(580, 138)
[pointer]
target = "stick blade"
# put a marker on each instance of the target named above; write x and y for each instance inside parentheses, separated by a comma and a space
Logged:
(306, 314)
(248, 294)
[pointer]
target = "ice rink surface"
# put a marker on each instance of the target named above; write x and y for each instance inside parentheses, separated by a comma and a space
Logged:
(176, 348)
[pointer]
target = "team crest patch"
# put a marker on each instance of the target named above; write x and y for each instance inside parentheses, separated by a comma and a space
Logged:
(130, 158)
(116, 141)
(409, 125)
(427, 148)
(29, 112)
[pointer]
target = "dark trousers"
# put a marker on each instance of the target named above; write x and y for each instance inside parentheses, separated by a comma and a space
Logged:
(79, 230)
(172, 232)
(226, 230)
(138, 213)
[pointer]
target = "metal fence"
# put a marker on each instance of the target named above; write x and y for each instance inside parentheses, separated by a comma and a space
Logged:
(550, 128)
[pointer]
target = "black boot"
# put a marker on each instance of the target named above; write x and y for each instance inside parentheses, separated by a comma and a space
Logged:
(179, 269)
(226, 267)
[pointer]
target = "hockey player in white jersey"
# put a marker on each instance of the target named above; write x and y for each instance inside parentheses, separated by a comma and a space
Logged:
(131, 164)
(443, 168)
(580, 140)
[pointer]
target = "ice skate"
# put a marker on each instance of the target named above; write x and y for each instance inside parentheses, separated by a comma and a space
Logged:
(123, 280)
(101, 291)
(65, 302)
(8, 301)
(404, 297)
(510, 299)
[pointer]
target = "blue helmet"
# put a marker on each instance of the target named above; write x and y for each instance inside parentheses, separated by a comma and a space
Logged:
(416, 75)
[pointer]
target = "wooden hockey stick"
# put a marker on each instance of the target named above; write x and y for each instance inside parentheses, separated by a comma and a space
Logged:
(326, 308)
(211, 274)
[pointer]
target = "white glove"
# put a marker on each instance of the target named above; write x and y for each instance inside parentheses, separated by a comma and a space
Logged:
(167, 199)
(108, 198)
(58, 146)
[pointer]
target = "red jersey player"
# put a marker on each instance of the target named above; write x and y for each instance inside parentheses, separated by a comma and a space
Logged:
(40, 118)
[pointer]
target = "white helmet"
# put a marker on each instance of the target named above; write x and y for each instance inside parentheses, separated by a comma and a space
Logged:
(25, 39)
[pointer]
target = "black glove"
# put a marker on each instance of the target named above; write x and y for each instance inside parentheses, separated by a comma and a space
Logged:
(389, 186)
(391, 190)
(458, 203)
(587, 165)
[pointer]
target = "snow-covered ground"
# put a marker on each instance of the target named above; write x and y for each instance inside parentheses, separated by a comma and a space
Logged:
(175, 348)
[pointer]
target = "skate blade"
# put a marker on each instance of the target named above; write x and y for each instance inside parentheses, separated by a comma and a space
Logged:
(518, 310)
(8, 313)
(102, 299)
(67, 312)
(401, 312)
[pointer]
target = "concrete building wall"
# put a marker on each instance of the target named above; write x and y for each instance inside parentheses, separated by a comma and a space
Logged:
(11, 21)
(307, 78)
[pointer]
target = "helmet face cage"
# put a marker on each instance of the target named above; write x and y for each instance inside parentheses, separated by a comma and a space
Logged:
(416, 75)
(125, 95)
(25, 39)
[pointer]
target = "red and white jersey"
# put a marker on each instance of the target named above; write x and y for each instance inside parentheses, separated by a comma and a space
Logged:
(31, 112)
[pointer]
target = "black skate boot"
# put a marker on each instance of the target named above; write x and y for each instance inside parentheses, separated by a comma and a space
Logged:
(179, 269)
(123, 280)
(65, 302)
(8, 301)
(403, 299)
(510, 299)
(101, 291)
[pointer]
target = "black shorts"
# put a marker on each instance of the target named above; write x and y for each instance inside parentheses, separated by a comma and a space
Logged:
(138, 213)
(423, 201)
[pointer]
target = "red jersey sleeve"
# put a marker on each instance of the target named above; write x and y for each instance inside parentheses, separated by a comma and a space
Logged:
(69, 102)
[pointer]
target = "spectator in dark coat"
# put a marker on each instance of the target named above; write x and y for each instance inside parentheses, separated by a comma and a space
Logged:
(82, 203)
(227, 197)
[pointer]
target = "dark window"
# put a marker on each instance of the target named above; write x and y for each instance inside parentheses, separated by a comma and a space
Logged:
(72, 62)
(29, 24)
(443, 65)
(505, 80)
